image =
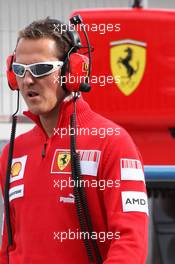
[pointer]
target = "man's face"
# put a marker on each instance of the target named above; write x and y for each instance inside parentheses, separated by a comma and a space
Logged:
(44, 94)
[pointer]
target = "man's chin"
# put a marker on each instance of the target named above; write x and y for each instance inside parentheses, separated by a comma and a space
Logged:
(42, 110)
(36, 111)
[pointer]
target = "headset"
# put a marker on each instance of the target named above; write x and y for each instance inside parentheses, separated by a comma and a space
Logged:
(76, 66)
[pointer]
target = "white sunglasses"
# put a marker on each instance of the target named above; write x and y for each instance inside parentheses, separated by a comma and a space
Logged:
(36, 69)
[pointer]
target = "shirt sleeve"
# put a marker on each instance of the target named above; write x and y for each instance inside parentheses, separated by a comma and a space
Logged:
(4, 238)
(126, 206)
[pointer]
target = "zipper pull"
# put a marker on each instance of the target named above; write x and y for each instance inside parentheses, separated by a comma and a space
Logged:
(44, 150)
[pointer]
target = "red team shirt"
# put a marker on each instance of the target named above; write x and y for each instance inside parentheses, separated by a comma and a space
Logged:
(43, 214)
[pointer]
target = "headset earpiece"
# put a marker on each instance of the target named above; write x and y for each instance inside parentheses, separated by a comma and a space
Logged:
(11, 78)
(75, 72)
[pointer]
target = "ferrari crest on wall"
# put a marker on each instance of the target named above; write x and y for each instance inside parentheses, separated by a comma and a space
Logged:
(128, 60)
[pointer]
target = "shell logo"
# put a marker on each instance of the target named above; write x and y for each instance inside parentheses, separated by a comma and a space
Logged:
(16, 168)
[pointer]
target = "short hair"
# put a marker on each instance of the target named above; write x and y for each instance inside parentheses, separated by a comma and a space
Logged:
(49, 28)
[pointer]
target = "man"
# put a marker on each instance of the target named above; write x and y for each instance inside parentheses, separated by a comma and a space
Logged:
(44, 220)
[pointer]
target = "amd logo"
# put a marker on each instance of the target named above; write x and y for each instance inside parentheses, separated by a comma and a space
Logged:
(133, 201)
(136, 201)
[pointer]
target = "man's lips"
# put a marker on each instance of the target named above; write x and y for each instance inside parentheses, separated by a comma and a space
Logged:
(32, 94)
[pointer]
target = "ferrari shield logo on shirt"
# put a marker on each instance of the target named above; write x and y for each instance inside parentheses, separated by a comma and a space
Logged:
(128, 60)
(18, 168)
(131, 170)
(89, 161)
(134, 202)
(63, 160)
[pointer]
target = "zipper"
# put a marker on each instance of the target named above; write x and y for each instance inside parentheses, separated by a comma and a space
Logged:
(43, 154)
(48, 139)
(46, 146)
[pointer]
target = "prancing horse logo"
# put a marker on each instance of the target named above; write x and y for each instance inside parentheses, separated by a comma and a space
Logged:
(126, 63)
(63, 160)
(128, 60)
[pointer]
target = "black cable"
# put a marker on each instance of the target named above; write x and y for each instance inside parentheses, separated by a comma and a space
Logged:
(80, 195)
(7, 183)
(75, 175)
(8, 173)
(81, 190)
(76, 171)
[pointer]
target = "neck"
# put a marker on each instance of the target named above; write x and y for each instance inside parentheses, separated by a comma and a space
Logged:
(49, 121)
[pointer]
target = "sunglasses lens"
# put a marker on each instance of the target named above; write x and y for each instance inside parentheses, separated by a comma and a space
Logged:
(41, 69)
(18, 70)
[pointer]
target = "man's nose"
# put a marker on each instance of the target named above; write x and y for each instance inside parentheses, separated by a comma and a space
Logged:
(28, 79)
